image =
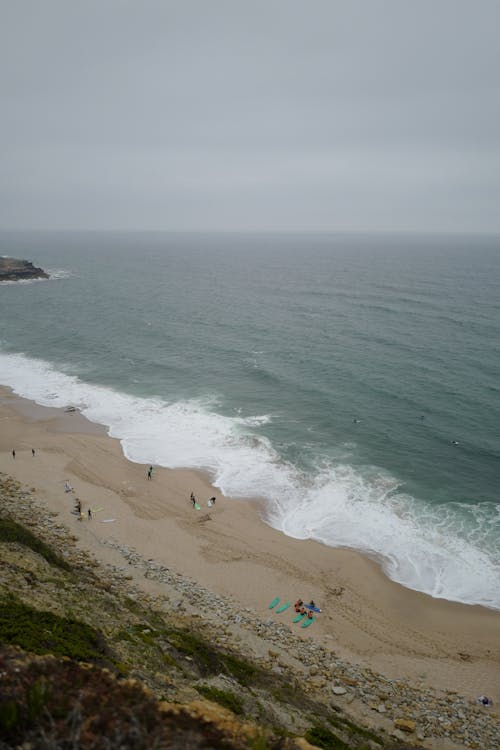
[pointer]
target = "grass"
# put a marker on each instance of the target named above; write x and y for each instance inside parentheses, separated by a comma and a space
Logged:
(209, 660)
(43, 632)
(352, 729)
(11, 531)
(322, 737)
(223, 698)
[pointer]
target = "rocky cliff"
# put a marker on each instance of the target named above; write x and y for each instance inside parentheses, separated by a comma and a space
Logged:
(12, 269)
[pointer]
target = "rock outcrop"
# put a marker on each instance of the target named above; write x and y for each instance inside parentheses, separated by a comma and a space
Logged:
(12, 269)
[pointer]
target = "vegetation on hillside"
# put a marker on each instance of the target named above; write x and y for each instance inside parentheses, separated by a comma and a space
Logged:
(87, 663)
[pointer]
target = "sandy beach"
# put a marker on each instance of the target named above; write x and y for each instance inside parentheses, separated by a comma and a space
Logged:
(230, 550)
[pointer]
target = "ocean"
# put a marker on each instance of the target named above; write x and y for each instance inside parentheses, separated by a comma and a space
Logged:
(352, 381)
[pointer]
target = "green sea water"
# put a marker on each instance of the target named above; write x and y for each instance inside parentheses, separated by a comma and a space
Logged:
(351, 381)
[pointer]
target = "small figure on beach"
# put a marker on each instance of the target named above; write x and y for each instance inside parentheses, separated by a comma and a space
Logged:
(33, 452)
(310, 615)
(13, 453)
(150, 472)
(211, 502)
(67, 487)
(89, 514)
(311, 603)
(193, 499)
(298, 605)
(484, 700)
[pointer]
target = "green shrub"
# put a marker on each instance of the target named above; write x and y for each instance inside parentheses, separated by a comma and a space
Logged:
(210, 660)
(223, 697)
(323, 737)
(44, 632)
(8, 714)
(11, 531)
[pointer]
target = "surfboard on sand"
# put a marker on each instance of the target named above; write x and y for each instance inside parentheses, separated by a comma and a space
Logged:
(198, 507)
(284, 606)
(274, 602)
(310, 606)
(299, 617)
(308, 621)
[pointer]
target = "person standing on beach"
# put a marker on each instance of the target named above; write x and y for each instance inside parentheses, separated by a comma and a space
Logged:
(33, 452)
(89, 513)
(150, 472)
(193, 499)
(13, 453)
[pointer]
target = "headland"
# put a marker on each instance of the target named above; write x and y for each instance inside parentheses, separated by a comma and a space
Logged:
(12, 269)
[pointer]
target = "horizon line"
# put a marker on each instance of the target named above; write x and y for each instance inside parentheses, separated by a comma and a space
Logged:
(116, 230)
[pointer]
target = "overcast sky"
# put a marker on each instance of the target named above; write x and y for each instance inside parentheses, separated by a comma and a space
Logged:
(241, 114)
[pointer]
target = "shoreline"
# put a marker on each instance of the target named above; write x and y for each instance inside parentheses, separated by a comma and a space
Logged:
(367, 618)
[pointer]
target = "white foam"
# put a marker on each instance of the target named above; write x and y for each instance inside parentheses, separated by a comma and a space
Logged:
(445, 552)
(55, 274)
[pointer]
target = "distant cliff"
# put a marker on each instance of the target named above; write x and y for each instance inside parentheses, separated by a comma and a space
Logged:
(12, 269)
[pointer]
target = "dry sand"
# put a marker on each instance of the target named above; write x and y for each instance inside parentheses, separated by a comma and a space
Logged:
(366, 618)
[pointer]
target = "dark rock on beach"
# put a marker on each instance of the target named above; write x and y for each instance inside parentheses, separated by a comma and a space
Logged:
(12, 269)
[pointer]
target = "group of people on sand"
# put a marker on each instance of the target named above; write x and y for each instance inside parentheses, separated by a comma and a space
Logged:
(301, 609)
(14, 452)
(210, 501)
(78, 503)
(78, 510)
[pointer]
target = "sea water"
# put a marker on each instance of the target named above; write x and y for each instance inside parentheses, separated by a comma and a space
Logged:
(353, 382)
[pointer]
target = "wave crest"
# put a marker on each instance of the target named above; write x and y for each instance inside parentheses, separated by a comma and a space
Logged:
(446, 551)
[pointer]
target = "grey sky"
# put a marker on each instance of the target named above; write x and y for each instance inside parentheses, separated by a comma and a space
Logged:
(214, 114)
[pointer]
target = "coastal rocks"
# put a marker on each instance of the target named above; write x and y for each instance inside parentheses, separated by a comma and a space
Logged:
(338, 690)
(12, 269)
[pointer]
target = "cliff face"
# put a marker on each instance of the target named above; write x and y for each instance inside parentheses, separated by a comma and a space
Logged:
(12, 269)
